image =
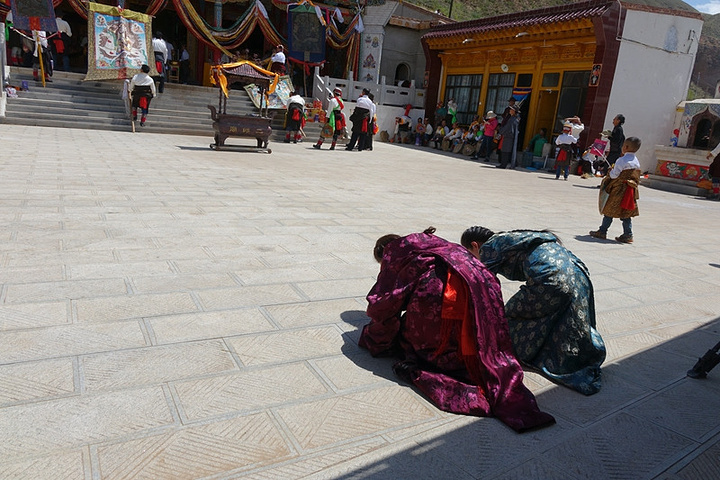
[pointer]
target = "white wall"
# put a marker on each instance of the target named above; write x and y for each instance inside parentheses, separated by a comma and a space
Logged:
(655, 62)
(402, 45)
(385, 116)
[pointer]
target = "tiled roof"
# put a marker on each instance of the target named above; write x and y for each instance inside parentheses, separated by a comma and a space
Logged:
(245, 73)
(563, 13)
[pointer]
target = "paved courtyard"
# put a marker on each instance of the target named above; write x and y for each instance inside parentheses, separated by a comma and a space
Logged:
(172, 312)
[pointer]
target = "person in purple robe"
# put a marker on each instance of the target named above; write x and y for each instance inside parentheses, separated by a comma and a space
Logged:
(437, 308)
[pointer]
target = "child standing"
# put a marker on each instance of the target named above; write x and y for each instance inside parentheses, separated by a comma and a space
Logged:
(619, 192)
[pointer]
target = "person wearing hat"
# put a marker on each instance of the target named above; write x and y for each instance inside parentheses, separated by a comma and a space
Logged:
(506, 112)
(509, 131)
(565, 141)
(491, 124)
(335, 120)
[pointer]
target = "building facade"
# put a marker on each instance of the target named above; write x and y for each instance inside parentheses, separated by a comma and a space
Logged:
(592, 59)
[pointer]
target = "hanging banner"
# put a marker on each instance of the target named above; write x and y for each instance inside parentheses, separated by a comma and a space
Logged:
(521, 94)
(4, 8)
(306, 39)
(119, 42)
(33, 15)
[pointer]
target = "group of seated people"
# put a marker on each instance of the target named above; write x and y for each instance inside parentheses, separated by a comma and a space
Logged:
(479, 138)
(437, 307)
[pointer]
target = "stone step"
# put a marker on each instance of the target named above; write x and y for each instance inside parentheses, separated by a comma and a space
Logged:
(675, 185)
(68, 101)
(63, 107)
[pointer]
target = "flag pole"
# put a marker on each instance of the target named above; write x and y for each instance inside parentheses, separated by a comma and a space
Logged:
(38, 45)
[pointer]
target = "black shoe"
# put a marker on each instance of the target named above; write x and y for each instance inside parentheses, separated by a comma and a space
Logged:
(500, 166)
(134, 119)
(142, 124)
(316, 146)
(286, 141)
(349, 149)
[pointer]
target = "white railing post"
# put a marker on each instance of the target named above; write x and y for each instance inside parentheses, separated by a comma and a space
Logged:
(384, 94)
(381, 100)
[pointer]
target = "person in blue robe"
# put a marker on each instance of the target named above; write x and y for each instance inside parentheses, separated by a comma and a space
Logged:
(552, 316)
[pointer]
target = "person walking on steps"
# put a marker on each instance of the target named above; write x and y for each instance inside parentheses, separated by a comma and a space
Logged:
(160, 53)
(142, 89)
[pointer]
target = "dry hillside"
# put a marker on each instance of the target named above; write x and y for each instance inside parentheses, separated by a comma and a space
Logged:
(707, 65)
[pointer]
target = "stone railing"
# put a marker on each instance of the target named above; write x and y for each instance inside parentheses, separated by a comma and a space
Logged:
(384, 94)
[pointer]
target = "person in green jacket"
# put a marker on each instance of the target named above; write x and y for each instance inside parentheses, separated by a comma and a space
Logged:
(536, 143)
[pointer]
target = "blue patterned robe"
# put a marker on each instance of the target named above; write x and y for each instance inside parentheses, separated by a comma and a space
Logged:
(552, 316)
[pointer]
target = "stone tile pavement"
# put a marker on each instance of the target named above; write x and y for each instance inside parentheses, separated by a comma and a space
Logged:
(172, 312)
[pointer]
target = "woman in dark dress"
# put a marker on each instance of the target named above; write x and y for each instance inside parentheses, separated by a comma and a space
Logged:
(440, 310)
(552, 317)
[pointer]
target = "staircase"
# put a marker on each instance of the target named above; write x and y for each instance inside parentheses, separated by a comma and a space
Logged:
(71, 102)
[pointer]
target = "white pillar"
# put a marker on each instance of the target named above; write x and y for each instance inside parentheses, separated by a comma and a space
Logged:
(371, 53)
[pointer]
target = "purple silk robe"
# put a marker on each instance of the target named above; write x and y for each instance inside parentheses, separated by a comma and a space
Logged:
(412, 280)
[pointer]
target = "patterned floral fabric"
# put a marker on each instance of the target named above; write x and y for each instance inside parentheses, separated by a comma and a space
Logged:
(612, 191)
(406, 308)
(552, 317)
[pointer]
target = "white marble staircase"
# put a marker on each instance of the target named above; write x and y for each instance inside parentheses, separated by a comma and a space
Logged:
(73, 103)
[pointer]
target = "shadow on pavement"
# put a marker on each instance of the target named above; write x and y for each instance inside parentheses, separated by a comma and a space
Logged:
(587, 238)
(648, 421)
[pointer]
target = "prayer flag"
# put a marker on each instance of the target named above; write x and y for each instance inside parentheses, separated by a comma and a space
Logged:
(33, 15)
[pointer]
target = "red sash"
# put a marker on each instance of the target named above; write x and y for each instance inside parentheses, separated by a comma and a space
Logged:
(628, 200)
(59, 45)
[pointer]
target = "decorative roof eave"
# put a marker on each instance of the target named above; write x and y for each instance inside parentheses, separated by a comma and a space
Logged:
(514, 36)
(510, 25)
(414, 23)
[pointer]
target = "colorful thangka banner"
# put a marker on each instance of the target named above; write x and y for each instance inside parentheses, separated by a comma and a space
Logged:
(119, 43)
(306, 35)
(33, 15)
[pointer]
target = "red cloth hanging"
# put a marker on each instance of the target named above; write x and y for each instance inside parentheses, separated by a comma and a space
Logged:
(628, 200)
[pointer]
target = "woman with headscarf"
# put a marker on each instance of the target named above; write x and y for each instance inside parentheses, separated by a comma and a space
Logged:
(552, 317)
(440, 310)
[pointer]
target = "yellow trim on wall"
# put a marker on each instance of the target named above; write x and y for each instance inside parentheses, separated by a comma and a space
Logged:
(556, 48)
